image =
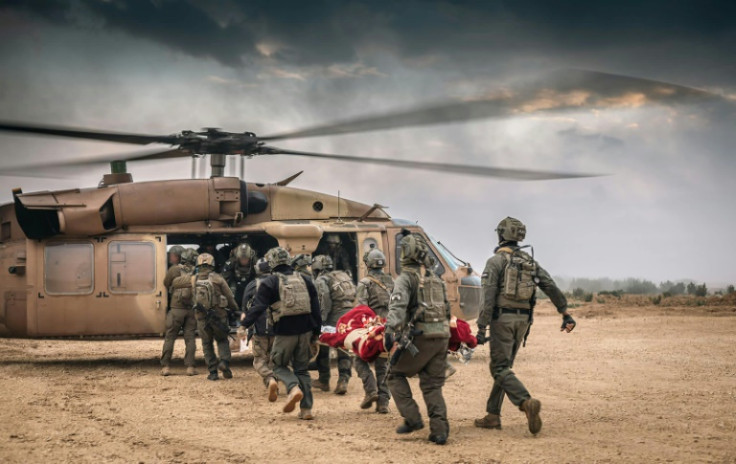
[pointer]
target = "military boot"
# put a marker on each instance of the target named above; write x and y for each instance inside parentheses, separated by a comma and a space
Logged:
(368, 400)
(490, 421)
(165, 371)
(382, 406)
(273, 389)
(305, 414)
(408, 428)
(191, 371)
(225, 368)
(295, 396)
(531, 408)
(320, 385)
(213, 376)
(438, 439)
(342, 387)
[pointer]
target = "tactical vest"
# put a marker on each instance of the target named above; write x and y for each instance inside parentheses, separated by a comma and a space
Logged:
(342, 289)
(432, 320)
(181, 295)
(293, 297)
(204, 293)
(518, 283)
(379, 293)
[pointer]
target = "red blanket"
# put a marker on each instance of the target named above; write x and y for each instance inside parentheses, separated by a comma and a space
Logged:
(361, 331)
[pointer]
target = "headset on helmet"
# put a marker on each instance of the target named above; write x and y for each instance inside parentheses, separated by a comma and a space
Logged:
(414, 248)
(262, 267)
(277, 256)
(511, 230)
(189, 256)
(206, 259)
(374, 259)
(301, 261)
(322, 263)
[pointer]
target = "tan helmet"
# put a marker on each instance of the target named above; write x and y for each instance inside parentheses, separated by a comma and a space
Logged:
(176, 250)
(414, 249)
(322, 263)
(244, 251)
(277, 256)
(262, 267)
(511, 230)
(374, 259)
(189, 256)
(332, 238)
(206, 259)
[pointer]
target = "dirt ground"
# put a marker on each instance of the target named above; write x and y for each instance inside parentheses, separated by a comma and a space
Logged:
(629, 385)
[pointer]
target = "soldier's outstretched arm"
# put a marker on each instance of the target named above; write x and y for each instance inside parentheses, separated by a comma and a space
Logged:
(172, 273)
(314, 304)
(489, 280)
(550, 288)
(397, 308)
(265, 296)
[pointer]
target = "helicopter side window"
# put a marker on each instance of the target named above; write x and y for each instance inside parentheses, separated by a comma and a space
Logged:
(69, 268)
(438, 268)
(132, 267)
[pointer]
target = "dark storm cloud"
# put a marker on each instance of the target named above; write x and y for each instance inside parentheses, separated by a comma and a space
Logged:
(323, 32)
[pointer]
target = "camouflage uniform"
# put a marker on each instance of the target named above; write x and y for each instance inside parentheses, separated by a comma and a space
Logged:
(181, 314)
(429, 363)
(374, 291)
(332, 310)
(224, 296)
(262, 335)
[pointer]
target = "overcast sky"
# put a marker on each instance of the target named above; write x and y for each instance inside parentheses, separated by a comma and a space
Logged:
(665, 212)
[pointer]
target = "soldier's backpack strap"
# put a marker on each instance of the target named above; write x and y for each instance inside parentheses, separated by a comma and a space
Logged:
(377, 282)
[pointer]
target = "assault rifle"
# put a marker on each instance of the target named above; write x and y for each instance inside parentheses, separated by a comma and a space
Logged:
(405, 342)
(211, 320)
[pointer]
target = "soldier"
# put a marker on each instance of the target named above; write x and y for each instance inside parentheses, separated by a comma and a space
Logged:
(239, 270)
(212, 298)
(175, 255)
(301, 263)
(336, 251)
(336, 297)
(181, 316)
(261, 332)
(509, 283)
(419, 298)
(374, 291)
(292, 307)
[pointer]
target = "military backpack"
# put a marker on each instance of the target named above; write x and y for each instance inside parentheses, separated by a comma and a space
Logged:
(293, 297)
(181, 296)
(519, 277)
(342, 288)
(204, 294)
(432, 304)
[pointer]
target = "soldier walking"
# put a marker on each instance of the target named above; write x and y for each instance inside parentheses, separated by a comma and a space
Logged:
(261, 331)
(420, 299)
(212, 299)
(181, 315)
(509, 283)
(291, 304)
(374, 291)
(336, 297)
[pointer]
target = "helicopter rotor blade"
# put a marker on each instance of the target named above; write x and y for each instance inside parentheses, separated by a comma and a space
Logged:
(89, 134)
(42, 169)
(559, 91)
(481, 171)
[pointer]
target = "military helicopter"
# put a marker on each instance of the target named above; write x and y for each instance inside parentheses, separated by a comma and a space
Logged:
(91, 262)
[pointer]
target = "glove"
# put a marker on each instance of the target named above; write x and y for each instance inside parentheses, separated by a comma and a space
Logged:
(388, 341)
(315, 335)
(481, 336)
(568, 323)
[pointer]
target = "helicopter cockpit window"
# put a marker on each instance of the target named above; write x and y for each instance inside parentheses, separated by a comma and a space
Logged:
(132, 267)
(69, 268)
(438, 268)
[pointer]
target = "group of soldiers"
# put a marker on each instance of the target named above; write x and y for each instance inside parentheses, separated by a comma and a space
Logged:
(287, 301)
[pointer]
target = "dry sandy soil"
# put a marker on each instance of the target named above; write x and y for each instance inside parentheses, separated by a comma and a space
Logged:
(629, 385)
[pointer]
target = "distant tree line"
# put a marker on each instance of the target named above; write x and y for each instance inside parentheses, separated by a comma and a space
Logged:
(582, 287)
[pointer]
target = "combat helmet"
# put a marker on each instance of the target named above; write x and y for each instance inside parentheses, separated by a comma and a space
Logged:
(511, 230)
(206, 259)
(301, 261)
(262, 267)
(189, 256)
(322, 263)
(414, 249)
(244, 251)
(277, 256)
(332, 239)
(176, 250)
(374, 259)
